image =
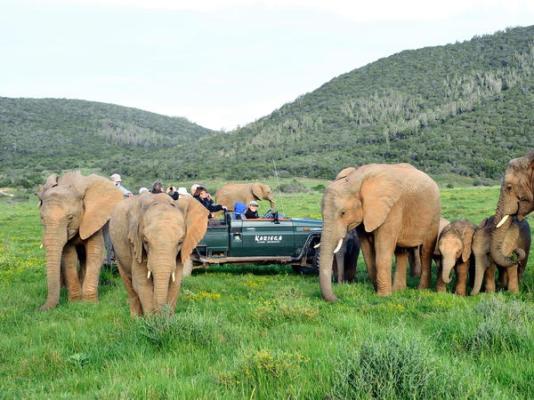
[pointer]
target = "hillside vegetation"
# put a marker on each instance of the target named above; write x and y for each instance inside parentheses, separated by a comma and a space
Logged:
(39, 135)
(463, 109)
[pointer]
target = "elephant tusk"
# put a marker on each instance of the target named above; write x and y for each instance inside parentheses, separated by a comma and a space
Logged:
(338, 247)
(148, 275)
(173, 277)
(503, 220)
(317, 245)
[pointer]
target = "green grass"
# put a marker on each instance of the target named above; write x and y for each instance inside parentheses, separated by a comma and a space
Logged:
(261, 331)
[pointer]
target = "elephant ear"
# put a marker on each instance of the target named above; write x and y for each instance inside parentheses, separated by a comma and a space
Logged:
(50, 182)
(345, 172)
(257, 190)
(379, 194)
(135, 230)
(99, 198)
(196, 225)
(468, 234)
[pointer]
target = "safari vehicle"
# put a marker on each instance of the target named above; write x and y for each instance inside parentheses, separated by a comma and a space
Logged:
(271, 239)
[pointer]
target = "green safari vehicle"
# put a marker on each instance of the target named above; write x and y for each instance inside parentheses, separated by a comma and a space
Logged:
(272, 239)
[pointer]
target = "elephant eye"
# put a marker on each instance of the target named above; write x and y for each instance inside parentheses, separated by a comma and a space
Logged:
(508, 188)
(342, 213)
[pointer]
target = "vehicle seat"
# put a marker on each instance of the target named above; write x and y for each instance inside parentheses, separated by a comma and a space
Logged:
(239, 210)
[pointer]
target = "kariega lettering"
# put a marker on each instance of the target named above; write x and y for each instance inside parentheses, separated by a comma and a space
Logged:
(268, 238)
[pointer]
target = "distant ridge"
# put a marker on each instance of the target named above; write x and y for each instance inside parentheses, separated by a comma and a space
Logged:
(463, 108)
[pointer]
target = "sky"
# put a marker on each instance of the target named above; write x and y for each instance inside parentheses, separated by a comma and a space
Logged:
(220, 64)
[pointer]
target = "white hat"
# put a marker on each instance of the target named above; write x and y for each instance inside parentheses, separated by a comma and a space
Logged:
(116, 178)
(143, 190)
(194, 187)
(253, 203)
(182, 190)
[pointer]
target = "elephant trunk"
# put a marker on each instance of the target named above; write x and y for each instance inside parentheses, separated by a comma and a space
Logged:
(54, 240)
(325, 265)
(448, 265)
(497, 240)
(162, 275)
(480, 270)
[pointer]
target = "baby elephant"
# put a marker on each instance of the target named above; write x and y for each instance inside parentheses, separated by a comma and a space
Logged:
(153, 237)
(455, 248)
(516, 240)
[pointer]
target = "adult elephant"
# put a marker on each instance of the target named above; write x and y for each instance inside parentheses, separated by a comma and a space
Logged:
(515, 240)
(516, 199)
(393, 207)
(153, 237)
(231, 193)
(74, 208)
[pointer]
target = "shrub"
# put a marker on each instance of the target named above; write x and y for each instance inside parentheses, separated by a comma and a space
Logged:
(398, 366)
(292, 187)
(163, 329)
(504, 327)
(319, 188)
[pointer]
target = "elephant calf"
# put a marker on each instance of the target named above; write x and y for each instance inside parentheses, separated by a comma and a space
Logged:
(153, 237)
(515, 238)
(455, 248)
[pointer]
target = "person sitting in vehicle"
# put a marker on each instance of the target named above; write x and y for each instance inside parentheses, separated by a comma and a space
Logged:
(252, 210)
(239, 210)
(171, 191)
(202, 195)
(157, 187)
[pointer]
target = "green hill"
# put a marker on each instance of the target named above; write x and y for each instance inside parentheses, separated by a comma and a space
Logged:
(462, 109)
(41, 135)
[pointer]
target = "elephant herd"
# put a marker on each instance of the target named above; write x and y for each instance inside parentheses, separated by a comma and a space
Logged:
(393, 209)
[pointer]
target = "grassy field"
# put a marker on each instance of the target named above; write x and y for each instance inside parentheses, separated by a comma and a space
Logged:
(261, 332)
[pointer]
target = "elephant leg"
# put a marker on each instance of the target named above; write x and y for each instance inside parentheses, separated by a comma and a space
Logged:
(70, 267)
(188, 268)
(427, 250)
(489, 278)
(143, 286)
(513, 282)
(351, 263)
(503, 278)
(94, 250)
(368, 256)
(339, 272)
(135, 304)
(441, 287)
(384, 250)
(399, 279)
(174, 287)
(461, 278)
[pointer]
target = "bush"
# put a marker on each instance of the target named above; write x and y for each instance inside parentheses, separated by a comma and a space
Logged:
(163, 329)
(319, 188)
(401, 366)
(504, 327)
(292, 187)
